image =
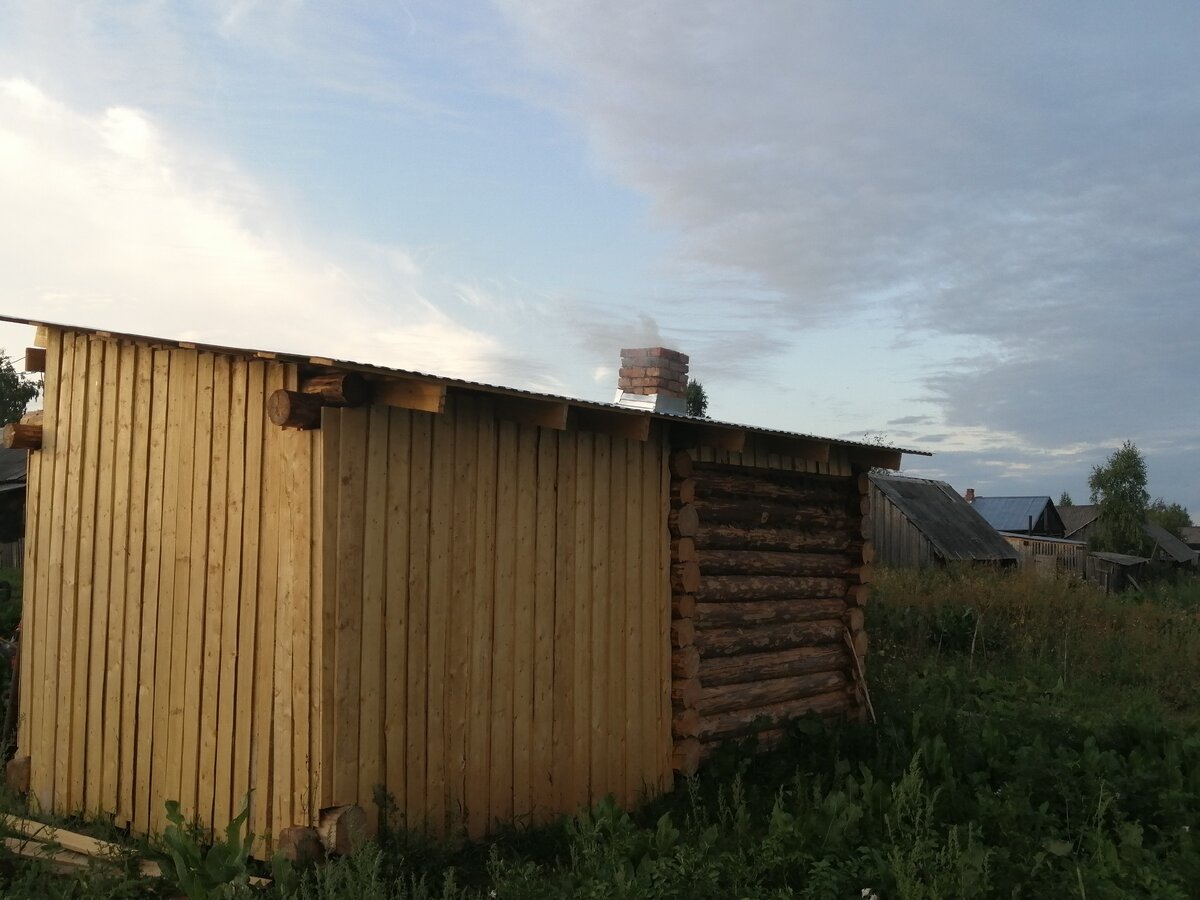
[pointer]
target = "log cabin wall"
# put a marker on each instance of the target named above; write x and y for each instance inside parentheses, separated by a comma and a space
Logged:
(169, 599)
(769, 566)
(498, 646)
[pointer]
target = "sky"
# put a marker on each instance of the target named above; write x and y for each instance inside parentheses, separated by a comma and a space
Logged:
(968, 228)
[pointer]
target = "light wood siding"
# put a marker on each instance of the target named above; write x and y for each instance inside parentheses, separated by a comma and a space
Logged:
(480, 602)
(168, 633)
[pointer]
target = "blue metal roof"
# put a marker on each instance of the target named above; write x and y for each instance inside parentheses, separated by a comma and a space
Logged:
(1014, 513)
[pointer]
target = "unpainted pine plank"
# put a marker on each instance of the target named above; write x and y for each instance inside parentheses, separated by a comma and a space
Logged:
(563, 727)
(374, 571)
(194, 625)
(637, 759)
(245, 724)
(84, 758)
(523, 620)
(40, 637)
(317, 639)
(657, 603)
(214, 587)
(542, 760)
(173, 602)
(500, 800)
(348, 676)
(479, 719)
(304, 525)
(225, 804)
(30, 599)
(266, 781)
(120, 409)
(395, 610)
(416, 786)
(331, 431)
(615, 662)
(159, 521)
(441, 548)
(463, 530)
(582, 600)
(282, 447)
(137, 465)
(601, 602)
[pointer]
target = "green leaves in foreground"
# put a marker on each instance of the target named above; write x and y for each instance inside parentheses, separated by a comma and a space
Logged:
(205, 873)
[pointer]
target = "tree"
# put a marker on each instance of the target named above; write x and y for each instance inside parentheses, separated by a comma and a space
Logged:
(1064, 499)
(1119, 487)
(697, 400)
(16, 390)
(1170, 516)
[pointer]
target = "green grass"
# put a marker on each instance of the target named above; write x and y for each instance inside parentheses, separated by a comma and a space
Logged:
(1035, 739)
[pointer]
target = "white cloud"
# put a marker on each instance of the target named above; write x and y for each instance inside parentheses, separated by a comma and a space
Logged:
(109, 222)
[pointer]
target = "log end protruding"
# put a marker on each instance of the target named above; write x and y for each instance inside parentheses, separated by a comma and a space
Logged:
(681, 464)
(294, 409)
(685, 759)
(342, 829)
(22, 436)
(684, 521)
(337, 388)
(35, 359)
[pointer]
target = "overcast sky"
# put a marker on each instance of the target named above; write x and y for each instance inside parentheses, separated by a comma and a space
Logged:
(970, 228)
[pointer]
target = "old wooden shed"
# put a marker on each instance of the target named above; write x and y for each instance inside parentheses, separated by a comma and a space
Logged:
(499, 605)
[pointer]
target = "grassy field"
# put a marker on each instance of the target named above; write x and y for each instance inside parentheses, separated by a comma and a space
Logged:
(1035, 739)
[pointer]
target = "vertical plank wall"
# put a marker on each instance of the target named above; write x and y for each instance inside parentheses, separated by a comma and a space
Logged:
(500, 631)
(169, 610)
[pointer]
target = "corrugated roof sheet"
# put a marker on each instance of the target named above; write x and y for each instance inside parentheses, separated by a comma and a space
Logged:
(1168, 543)
(367, 368)
(12, 466)
(937, 510)
(1013, 513)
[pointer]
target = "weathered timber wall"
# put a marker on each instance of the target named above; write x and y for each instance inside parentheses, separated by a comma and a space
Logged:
(167, 627)
(498, 644)
(898, 542)
(770, 564)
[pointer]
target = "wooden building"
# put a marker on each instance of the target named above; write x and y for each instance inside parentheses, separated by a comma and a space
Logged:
(919, 522)
(496, 604)
(1053, 556)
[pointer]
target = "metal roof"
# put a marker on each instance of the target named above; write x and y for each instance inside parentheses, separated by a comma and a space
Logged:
(369, 369)
(956, 531)
(1013, 513)
(12, 466)
(1168, 543)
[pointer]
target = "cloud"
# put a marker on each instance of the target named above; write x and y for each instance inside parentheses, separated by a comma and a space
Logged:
(110, 222)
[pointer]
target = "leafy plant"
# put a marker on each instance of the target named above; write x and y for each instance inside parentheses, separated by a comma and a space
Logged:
(221, 870)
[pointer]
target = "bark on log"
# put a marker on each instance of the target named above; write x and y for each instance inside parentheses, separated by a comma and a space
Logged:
(683, 550)
(685, 577)
(343, 829)
(683, 633)
(730, 588)
(810, 480)
(685, 663)
(735, 641)
(756, 694)
(812, 516)
(683, 606)
(337, 389)
(767, 612)
(747, 721)
(858, 594)
(790, 540)
(681, 464)
(685, 757)
(684, 521)
(685, 692)
(773, 562)
(35, 359)
(19, 436)
(292, 409)
(751, 488)
(685, 723)
(762, 666)
(683, 490)
(854, 619)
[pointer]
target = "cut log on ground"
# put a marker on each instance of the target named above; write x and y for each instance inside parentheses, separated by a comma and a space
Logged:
(342, 829)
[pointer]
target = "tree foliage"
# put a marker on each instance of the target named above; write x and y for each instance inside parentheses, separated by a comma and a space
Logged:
(16, 390)
(697, 400)
(1170, 516)
(1064, 499)
(1119, 487)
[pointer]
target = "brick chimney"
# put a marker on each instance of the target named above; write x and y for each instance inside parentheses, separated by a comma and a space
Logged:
(969, 495)
(653, 379)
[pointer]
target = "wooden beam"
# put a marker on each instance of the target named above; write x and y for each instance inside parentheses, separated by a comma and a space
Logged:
(634, 426)
(19, 436)
(337, 388)
(35, 359)
(704, 434)
(410, 393)
(292, 409)
(532, 411)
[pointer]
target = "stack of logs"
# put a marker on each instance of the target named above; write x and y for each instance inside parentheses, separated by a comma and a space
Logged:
(769, 574)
